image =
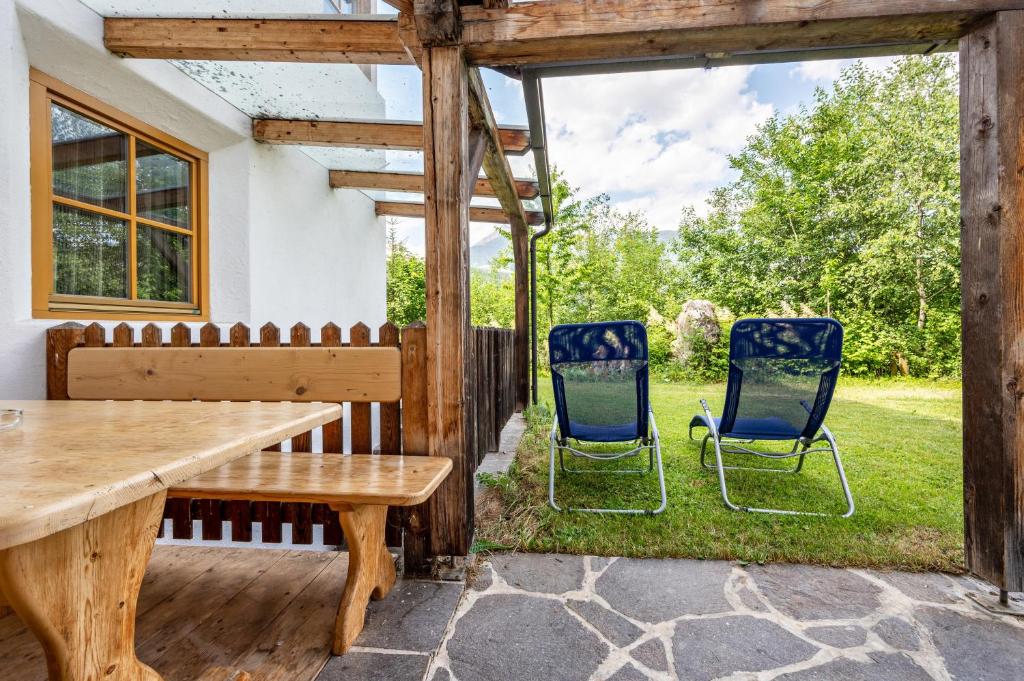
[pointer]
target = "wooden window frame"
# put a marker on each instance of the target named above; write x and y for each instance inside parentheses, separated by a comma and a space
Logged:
(46, 304)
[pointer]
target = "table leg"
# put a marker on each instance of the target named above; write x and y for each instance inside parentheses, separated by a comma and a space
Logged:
(76, 590)
(371, 570)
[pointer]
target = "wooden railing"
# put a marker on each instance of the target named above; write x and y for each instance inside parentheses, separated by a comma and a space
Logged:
(403, 425)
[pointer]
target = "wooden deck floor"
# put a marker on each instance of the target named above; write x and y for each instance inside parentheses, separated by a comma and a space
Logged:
(267, 612)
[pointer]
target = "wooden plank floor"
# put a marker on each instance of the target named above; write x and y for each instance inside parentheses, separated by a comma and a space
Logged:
(267, 612)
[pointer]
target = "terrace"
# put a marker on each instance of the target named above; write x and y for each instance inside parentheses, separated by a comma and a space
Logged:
(445, 390)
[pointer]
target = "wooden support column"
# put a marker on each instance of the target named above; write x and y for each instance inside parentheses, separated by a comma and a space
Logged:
(504, 184)
(521, 341)
(446, 156)
(992, 275)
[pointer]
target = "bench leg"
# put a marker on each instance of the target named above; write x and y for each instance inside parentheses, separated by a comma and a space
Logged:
(371, 571)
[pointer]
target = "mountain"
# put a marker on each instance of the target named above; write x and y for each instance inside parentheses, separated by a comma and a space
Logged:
(482, 252)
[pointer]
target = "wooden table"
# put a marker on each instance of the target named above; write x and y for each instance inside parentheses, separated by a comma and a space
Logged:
(82, 489)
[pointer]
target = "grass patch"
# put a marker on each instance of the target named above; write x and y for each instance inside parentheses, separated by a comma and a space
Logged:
(900, 443)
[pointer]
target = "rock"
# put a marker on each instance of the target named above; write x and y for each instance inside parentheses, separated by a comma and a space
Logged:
(807, 592)
(882, 667)
(516, 637)
(651, 654)
(988, 649)
(839, 636)
(711, 648)
(542, 573)
(614, 626)
(653, 590)
(697, 319)
(898, 633)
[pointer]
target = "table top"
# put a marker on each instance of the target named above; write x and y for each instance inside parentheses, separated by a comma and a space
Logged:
(70, 461)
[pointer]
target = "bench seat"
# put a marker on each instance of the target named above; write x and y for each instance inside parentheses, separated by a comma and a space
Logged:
(358, 487)
(332, 479)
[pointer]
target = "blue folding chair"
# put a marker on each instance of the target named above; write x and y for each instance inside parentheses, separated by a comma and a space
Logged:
(599, 372)
(782, 373)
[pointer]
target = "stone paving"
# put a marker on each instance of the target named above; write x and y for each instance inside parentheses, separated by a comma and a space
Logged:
(566, 618)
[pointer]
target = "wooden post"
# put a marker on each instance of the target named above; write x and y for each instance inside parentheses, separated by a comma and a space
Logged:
(415, 442)
(446, 161)
(239, 511)
(992, 275)
(521, 349)
(210, 511)
(269, 513)
(59, 342)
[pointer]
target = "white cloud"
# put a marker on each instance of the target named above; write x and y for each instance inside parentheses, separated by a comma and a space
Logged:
(824, 70)
(827, 70)
(654, 141)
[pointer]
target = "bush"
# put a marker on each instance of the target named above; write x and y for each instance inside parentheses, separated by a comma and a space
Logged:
(659, 346)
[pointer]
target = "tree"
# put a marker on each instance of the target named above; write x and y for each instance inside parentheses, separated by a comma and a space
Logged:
(406, 283)
(850, 208)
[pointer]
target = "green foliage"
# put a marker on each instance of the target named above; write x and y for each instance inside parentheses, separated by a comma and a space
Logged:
(849, 208)
(900, 441)
(492, 298)
(659, 345)
(707, 361)
(406, 284)
(598, 263)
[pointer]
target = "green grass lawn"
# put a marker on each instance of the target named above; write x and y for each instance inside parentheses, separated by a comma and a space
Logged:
(900, 444)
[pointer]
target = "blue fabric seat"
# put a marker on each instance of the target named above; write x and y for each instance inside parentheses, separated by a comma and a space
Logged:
(596, 433)
(770, 428)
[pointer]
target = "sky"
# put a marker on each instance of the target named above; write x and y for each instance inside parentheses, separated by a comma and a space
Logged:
(653, 141)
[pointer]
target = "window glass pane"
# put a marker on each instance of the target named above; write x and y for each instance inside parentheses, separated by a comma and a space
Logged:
(162, 185)
(165, 265)
(89, 160)
(90, 253)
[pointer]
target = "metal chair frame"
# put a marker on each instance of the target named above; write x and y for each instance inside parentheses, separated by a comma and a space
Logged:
(801, 448)
(651, 445)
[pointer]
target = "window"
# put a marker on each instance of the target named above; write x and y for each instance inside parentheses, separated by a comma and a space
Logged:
(118, 213)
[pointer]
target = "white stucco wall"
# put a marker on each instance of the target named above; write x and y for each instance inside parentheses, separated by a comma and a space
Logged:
(283, 246)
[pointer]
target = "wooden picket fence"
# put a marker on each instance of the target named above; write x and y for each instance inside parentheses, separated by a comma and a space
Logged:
(492, 384)
(403, 425)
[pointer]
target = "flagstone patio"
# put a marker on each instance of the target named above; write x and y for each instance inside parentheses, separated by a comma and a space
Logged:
(566, 618)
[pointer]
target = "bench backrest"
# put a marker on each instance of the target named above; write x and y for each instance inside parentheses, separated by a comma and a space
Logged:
(296, 374)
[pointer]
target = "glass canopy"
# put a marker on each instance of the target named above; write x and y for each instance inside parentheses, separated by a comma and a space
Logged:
(306, 91)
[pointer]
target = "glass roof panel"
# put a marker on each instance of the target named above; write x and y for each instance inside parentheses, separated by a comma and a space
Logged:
(289, 90)
(341, 158)
(523, 166)
(225, 9)
(506, 97)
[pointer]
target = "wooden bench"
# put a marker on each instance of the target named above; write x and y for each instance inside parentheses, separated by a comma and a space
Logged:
(358, 487)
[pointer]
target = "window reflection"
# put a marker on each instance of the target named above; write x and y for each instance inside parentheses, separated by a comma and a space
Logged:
(165, 265)
(90, 253)
(90, 160)
(162, 186)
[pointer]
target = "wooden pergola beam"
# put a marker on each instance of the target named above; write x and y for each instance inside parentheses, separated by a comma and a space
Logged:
(331, 39)
(405, 181)
(401, 5)
(589, 31)
(504, 183)
(398, 135)
(415, 209)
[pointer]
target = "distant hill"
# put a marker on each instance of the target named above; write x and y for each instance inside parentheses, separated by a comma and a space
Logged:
(482, 252)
